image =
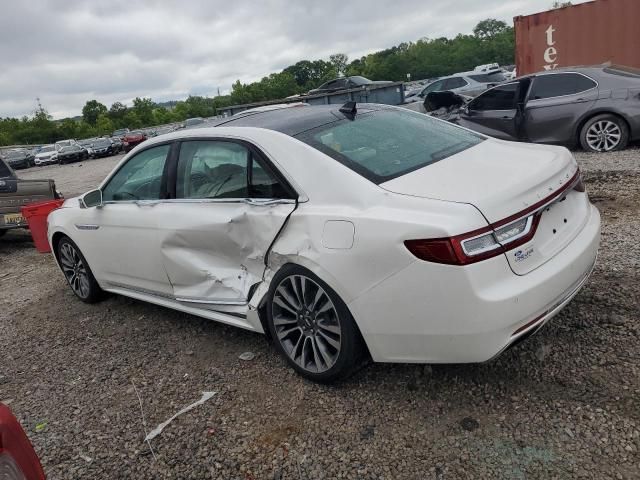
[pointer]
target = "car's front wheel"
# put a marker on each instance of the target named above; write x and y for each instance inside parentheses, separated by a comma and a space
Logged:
(311, 326)
(604, 133)
(77, 272)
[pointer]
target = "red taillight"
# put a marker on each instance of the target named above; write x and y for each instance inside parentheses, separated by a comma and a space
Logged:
(488, 242)
(18, 460)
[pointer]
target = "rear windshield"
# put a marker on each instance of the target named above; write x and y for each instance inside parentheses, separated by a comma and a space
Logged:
(386, 144)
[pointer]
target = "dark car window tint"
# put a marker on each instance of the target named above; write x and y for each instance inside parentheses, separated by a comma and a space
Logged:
(4, 170)
(558, 84)
(140, 178)
(212, 169)
(434, 87)
(386, 144)
(264, 184)
(498, 98)
(455, 82)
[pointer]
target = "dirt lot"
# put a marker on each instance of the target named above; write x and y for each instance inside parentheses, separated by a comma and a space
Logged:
(565, 404)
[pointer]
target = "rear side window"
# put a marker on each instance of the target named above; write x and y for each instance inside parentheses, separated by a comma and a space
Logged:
(386, 144)
(502, 97)
(455, 82)
(559, 84)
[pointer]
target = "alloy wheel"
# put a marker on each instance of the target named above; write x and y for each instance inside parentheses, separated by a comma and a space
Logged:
(306, 323)
(74, 270)
(604, 136)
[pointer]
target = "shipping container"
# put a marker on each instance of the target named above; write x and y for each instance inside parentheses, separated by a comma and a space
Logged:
(584, 34)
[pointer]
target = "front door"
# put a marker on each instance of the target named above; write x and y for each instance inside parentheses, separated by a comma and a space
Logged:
(230, 205)
(120, 239)
(494, 112)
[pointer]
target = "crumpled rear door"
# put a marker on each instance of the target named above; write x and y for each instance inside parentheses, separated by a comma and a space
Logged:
(214, 251)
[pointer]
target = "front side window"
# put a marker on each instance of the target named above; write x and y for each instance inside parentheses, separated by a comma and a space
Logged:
(211, 169)
(140, 178)
(386, 144)
(502, 97)
(560, 84)
(434, 87)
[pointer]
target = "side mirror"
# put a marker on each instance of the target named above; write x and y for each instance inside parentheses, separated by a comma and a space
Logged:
(91, 199)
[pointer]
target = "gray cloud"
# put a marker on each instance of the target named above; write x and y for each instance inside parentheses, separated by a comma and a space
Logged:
(114, 50)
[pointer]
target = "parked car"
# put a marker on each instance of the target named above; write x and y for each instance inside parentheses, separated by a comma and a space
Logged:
(48, 154)
(103, 147)
(318, 225)
(133, 139)
(18, 158)
(72, 153)
(16, 192)
(597, 108)
(117, 144)
(466, 83)
(88, 146)
(193, 122)
(18, 459)
(344, 83)
(120, 132)
(65, 143)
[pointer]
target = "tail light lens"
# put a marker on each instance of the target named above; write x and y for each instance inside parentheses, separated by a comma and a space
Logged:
(18, 460)
(492, 240)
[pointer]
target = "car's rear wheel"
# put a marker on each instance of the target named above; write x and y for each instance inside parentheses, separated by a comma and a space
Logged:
(311, 326)
(77, 272)
(604, 133)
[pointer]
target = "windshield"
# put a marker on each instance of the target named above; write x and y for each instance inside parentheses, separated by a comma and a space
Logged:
(489, 77)
(71, 148)
(14, 154)
(386, 144)
(360, 80)
(48, 148)
(101, 143)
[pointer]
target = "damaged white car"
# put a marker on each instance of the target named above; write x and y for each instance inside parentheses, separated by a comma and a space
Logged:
(342, 233)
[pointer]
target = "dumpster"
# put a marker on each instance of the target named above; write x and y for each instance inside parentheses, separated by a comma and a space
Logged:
(36, 216)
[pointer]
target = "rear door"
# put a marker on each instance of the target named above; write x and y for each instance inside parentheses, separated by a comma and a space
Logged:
(230, 204)
(555, 104)
(495, 112)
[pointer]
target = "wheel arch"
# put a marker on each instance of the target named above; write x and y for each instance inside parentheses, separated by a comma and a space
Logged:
(323, 275)
(601, 111)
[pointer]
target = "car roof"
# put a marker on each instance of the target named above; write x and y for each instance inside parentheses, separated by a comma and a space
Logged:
(293, 121)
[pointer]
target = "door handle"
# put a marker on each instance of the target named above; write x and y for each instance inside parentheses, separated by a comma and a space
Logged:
(261, 202)
(146, 203)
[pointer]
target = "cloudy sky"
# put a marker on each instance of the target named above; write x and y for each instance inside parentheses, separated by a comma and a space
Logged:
(68, 52)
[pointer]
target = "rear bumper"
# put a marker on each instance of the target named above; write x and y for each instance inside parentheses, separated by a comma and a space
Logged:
(431, 313)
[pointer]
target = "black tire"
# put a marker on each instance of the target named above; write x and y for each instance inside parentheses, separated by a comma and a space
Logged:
(614, 136)
(2, 233)
(89, 291)
(351, 349)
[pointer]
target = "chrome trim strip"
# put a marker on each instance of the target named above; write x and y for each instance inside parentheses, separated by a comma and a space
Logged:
(240, 303)
(248, 201)
(87, 227)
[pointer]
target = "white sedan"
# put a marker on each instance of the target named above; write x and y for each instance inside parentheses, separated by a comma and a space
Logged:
(341, 233)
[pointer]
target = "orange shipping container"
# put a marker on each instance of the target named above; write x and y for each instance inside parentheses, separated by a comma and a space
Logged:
(585, 34)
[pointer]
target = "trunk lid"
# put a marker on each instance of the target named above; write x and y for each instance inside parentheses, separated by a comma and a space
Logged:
(502, 179)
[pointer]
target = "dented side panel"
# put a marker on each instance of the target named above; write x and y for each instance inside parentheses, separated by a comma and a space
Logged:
(214, 251)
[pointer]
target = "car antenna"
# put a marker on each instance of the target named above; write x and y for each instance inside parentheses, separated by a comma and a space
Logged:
(349, 109)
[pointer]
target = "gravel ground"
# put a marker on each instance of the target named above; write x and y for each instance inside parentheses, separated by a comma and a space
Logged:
(565, 404)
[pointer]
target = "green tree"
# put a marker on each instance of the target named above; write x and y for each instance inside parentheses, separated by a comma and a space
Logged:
(92, 110)
(143, 108)
(117, 114)
(339, 62)
(489, 28)
(104, 125)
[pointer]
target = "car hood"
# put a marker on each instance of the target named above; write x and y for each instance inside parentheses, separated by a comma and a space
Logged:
(500, 178)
